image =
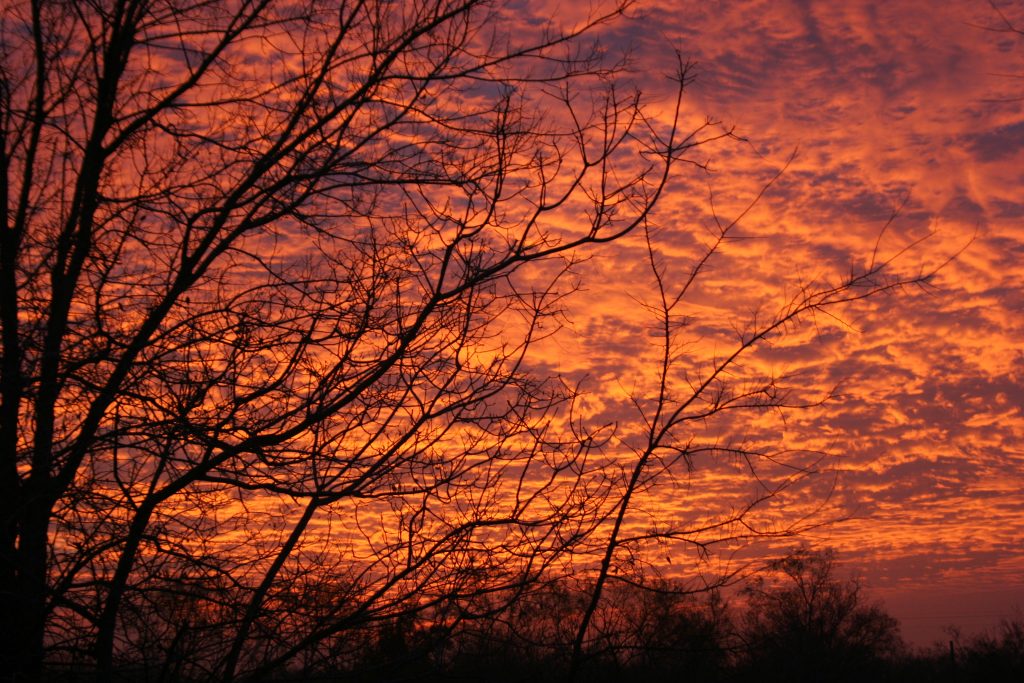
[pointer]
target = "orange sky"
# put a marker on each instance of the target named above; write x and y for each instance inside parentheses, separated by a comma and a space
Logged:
(872, 108)
(887, 104)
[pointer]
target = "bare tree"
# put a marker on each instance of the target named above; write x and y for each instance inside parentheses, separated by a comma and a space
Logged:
(269, 277)
(269, 274)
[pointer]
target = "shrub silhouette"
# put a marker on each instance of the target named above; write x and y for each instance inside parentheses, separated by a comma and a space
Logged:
(805, 624)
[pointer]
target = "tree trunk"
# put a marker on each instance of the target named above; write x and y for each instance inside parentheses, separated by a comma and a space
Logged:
(23, 598)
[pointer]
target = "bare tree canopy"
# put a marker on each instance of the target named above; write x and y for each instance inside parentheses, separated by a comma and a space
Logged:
(270, 273)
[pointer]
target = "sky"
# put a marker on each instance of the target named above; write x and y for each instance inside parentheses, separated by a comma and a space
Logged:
(902, 124)
(831, 138)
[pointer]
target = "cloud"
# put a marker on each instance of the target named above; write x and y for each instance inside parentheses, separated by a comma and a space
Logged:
(898, 107)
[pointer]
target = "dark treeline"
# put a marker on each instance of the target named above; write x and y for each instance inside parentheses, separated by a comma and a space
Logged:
(797, 621)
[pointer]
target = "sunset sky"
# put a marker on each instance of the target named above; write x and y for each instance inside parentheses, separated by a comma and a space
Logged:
(907, 107)
(319, 320)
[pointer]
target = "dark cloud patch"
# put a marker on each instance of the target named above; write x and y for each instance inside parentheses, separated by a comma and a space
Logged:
(963, 208)
(997, 144)
(839, 196)
(922, 481)
(1009, 255)
(1007, 209)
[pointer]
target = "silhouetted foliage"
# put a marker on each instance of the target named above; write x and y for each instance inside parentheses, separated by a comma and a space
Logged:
(653, 633)
(639, 634)
(803, 623)
(997, 655)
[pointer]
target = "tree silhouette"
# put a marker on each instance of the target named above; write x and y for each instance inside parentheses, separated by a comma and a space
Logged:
(270, 272)
(996, 655)
(806, 624)
(270, 275)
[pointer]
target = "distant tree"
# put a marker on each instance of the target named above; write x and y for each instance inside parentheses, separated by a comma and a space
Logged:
(662, 633)
(639, 633)
(530, 640)
(992, 656)
(803, 623)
